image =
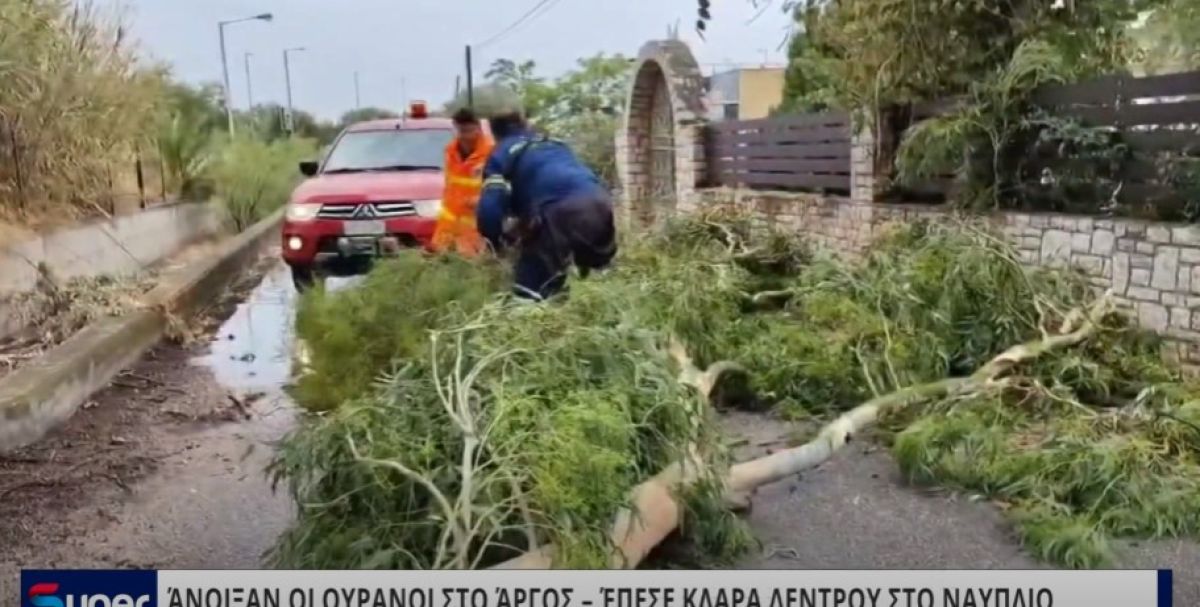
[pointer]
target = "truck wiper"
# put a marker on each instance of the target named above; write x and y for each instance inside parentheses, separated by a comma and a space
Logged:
(407, 167)
(393, 167)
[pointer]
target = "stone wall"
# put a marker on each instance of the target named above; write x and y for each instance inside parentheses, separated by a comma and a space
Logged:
(833, 223)
(1152, 268)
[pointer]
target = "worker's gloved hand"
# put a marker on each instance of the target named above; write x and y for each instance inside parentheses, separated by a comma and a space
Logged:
(518, 231)
(510, 230)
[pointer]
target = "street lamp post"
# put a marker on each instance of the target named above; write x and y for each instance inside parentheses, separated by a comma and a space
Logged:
(287, 78)
(225, 62)
(249, 83)
(357, 97)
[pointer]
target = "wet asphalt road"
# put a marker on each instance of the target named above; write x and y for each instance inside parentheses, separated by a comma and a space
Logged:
(208, 502)
(856, 512)
(211, 505)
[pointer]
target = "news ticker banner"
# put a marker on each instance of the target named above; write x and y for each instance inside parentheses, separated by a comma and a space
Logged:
(858, 588)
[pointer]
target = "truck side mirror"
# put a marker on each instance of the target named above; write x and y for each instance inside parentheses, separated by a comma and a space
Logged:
(308, 168)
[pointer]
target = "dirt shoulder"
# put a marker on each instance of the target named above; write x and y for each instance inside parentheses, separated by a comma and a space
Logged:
(69, 483)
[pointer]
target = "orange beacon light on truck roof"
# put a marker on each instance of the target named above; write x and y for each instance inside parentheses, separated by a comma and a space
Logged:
(417, 110)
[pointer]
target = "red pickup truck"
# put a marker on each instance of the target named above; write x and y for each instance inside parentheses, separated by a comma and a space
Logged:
(379, 187)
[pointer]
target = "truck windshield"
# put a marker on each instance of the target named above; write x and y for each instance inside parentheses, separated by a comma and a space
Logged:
(391, 150)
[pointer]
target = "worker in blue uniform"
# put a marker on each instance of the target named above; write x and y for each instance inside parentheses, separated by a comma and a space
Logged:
(540, 199)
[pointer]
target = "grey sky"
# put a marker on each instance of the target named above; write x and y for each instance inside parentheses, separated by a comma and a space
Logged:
(421, 41)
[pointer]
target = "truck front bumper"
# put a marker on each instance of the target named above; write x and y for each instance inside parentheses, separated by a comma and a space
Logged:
(323, 242)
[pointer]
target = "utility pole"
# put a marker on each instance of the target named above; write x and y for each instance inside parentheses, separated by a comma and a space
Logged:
(225, 62)
(457, 86)
(287, 78)
(357, 97)
(249, 84)
(470, 81)
(225, 73)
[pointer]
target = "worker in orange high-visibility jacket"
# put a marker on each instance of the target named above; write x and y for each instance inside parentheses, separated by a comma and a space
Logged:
(465, 157)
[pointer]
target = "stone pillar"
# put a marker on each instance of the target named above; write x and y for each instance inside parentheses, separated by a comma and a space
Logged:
(872, 151)
(689, 165)
(862, 166)
(632, 143)
(660, 62)
(626, 181)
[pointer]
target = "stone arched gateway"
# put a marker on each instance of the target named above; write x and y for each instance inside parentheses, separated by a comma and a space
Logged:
(660, 154)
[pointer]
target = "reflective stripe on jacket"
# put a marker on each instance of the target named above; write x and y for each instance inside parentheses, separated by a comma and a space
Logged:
(464, 179)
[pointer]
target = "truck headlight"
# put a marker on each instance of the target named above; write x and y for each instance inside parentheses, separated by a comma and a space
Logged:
(302, 212)
(427, 208)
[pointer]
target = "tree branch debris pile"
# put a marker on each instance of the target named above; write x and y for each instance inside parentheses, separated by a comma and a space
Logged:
(53, 312)
(582, 433)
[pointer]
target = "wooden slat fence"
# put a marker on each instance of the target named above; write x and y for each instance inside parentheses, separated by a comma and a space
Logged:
(802, 152)
(1156, 117)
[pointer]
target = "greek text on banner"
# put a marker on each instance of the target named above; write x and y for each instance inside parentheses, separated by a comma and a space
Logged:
(889, 588)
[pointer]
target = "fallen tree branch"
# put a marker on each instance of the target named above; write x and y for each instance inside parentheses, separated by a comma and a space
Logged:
(702, 380)
(763, 299)
(654, 512)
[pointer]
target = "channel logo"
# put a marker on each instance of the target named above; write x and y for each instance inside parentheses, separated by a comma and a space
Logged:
(44, 595)
(88, 588)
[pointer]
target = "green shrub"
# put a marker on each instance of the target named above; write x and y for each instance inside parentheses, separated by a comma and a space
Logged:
(573, 402)
(354, 335)
(252, 178)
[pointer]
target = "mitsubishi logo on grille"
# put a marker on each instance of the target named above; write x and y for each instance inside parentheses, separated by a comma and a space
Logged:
(365, 211)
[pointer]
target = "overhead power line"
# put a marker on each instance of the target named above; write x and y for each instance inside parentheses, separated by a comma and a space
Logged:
(532, 13)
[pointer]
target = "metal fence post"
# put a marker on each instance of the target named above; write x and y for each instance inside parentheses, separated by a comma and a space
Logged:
(162, 174)
(112, 193)
(15, 152)
(141, 181)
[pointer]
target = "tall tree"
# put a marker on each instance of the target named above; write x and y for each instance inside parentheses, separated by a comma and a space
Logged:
(516, 76)
(522, 79)
(874, 52)
(191, 117)
(807, 81)
(583, 108)
(1170, 37)
(488, 99)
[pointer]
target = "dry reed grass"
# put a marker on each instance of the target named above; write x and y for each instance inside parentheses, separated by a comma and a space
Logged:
(77, 106)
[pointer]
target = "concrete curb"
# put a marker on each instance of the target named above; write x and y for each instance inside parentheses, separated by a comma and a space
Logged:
(38, 397)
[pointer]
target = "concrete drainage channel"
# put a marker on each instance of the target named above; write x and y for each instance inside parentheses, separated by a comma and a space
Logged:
(164, 466)
(42, 395)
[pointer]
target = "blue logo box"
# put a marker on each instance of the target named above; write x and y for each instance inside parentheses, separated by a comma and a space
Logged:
(88, 588)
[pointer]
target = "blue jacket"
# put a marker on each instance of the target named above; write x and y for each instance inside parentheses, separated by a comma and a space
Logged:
(544, 173)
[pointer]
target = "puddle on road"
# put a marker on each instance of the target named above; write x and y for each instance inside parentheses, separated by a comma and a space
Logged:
(252, 351)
